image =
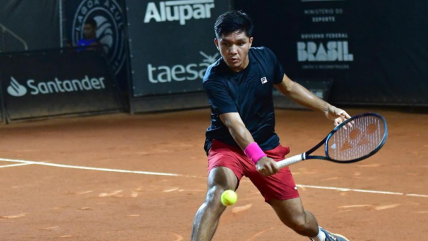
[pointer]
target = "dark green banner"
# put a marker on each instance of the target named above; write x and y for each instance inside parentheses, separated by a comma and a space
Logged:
(172, 44)
(29, 25)
(375, 51)
(57, 82)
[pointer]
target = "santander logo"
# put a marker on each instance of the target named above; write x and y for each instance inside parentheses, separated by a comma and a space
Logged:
(15, 89)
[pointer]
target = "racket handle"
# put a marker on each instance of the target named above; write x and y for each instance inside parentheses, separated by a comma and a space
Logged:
(291, 160)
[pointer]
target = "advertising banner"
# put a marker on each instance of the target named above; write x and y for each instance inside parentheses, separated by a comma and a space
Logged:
(373, 53)
(42, 84)
(29, 25)
(172, 44)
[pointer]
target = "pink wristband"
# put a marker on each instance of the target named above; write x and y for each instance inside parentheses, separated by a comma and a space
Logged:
(254, 152)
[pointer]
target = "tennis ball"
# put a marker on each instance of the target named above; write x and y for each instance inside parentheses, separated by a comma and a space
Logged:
(228, 198)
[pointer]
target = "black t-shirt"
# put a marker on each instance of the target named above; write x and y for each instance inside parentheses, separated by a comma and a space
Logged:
(248, 92)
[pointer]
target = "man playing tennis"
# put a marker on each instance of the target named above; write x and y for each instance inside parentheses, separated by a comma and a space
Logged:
(241, 140)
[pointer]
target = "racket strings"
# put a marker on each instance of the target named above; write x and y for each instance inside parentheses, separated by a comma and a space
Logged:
(357, 141)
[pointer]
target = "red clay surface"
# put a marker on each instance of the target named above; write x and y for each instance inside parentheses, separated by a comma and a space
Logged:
(40, 202)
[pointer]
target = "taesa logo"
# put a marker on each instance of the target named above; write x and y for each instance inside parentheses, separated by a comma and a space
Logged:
(191, 71)
(110, 23)
(15, 89)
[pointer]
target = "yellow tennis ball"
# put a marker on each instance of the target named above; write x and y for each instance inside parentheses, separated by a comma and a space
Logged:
(228, 198)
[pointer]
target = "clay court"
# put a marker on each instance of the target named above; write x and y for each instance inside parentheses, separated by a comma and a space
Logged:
(143, 177)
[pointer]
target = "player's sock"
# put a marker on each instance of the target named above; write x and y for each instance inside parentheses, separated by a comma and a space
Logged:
(320, 236)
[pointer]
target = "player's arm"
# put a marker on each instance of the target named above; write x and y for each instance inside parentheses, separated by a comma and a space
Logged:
(266, 166)
(304, 97)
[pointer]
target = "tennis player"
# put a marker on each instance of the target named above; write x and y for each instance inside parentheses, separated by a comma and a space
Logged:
(241, 140)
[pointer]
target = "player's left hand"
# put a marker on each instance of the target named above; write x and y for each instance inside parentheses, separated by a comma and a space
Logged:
(337, 115)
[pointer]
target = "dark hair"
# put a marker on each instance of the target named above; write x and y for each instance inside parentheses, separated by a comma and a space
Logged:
(91, 22)
(232, 21)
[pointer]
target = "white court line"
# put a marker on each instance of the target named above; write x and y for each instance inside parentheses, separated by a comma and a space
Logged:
(179, 175)
(94, 168)
(16, 165)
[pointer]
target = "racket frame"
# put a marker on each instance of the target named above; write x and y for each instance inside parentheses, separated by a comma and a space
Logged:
(306, 155)
(378, 147)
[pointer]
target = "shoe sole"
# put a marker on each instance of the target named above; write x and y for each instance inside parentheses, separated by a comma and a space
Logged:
(341, 236)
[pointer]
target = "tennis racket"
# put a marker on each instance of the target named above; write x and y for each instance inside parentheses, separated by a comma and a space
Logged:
(345, 144)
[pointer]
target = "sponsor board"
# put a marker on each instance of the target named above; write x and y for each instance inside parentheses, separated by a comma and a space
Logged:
(173, 60)
(51, 83)
(373, 56)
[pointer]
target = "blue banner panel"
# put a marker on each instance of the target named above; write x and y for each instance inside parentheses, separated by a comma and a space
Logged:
(375, 51)
(43, 84)
(172, 44)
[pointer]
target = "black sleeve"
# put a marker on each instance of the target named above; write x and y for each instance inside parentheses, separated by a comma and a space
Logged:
(219, 97)
(278, 71)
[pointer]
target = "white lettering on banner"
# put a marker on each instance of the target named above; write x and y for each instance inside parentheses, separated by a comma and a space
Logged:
(59, 86)
(176, 72)
(179, 10)
(335, 51)
(323, 36)
(324, 19)
(193, 71)
(319, 11)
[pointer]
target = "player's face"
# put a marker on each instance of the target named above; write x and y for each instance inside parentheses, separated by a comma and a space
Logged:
(234, 49)
(89, 31)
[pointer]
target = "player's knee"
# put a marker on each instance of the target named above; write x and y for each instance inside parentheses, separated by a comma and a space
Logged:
(214, 196)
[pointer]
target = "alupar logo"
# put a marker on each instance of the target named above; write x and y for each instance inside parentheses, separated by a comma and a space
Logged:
(179, 10)
(56, 86)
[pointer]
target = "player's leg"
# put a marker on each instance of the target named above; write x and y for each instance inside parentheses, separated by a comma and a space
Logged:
(224, 172)
(292, 214)
(208, 215)
(281, 193)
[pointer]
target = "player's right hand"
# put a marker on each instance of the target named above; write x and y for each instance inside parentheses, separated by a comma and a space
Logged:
(266, 166)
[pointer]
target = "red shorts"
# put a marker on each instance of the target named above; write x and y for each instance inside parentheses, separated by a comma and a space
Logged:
(279, 186)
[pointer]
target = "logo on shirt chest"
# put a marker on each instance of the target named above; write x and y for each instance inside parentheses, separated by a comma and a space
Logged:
(264, 80)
